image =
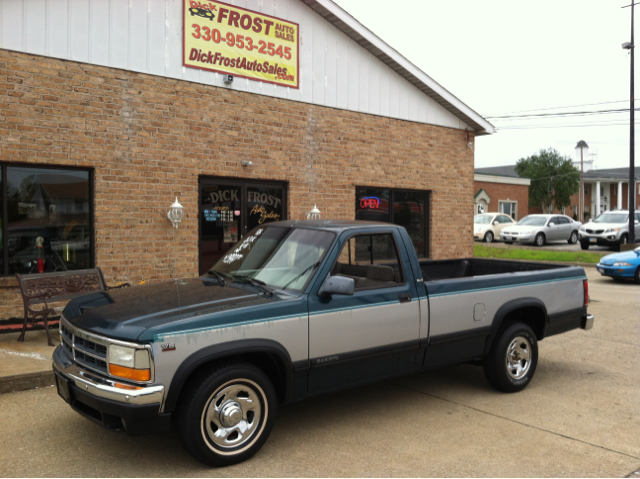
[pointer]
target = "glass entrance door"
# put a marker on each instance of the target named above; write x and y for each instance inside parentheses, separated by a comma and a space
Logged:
(220, 221)
(231, 208)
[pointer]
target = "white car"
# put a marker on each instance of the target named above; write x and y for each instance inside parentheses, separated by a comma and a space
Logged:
(611, 229)
(487, 226)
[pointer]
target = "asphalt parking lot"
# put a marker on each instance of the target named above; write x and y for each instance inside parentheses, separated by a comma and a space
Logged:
(580, 417)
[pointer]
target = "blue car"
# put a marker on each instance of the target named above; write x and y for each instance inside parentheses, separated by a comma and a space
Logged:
(621, 265)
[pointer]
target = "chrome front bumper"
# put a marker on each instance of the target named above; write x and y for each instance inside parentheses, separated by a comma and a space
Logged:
(104, 388)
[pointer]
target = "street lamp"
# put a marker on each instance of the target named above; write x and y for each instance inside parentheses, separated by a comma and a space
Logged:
(632, 184)
(582, 150)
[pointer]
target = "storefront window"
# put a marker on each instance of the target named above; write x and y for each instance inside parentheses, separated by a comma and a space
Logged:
(408, 208)
(231, 208)
(48, 220)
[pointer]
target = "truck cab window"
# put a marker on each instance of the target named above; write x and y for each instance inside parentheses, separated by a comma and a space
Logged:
(371, 260)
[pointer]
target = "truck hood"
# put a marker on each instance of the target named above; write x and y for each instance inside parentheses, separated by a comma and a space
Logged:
(128, 312)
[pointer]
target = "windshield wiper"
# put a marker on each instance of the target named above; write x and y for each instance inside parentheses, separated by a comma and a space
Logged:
(253, 281)
(219, 275)
(310, 267)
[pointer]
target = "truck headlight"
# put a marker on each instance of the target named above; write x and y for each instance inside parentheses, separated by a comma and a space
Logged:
(129, 363)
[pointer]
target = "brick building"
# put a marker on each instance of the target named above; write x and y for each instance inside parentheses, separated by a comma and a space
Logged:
(501, 191)
(609, 182)
(106, 116)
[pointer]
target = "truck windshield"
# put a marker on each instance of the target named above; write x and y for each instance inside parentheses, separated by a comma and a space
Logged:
(283, 258)
(612, 218)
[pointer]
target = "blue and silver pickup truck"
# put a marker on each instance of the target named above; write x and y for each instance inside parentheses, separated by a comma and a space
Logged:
(295, 309)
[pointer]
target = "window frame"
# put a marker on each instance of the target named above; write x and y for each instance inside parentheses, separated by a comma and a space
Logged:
(427, 212)
(372, 233)
(4, 166)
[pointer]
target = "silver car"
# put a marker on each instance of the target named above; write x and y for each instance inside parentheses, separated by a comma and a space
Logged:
(542, 229)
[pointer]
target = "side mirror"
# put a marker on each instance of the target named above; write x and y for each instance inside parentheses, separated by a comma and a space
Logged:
(636, 222)
(495, 223)
(552, 224)
(337, 285)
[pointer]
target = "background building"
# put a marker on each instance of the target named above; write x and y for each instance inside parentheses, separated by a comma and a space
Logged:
(111, 109)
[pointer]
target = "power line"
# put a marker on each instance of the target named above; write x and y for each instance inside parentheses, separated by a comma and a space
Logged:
(561, 115)
(554, 108)
(587, 125)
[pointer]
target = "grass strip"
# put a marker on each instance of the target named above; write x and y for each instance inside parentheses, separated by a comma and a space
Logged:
(480, 251)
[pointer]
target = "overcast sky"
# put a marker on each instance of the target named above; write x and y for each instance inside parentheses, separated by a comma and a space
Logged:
(504, 56)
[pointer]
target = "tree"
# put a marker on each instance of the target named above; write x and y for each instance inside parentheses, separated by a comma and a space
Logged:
(553, 177)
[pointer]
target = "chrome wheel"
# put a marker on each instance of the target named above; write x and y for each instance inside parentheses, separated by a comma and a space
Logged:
(540, 239)
(235, 416)
(518, 359)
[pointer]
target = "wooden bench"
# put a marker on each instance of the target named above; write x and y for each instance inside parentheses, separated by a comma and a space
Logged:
(46, 288)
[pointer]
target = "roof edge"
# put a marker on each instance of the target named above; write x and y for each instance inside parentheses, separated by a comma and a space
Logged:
(346, 23)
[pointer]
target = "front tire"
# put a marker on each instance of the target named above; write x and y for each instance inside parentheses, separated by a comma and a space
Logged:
(636, 277)
(488, 237)
(584, 245)
(512, 359)
(540, 240)
(225, 415)
(573, 239)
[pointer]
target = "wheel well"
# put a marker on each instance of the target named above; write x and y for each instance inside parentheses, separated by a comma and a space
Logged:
(271, 364)
(532, 316)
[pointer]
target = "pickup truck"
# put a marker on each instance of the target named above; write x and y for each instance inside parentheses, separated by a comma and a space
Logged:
(295, 309)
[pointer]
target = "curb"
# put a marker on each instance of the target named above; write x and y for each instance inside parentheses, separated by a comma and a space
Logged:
(22, 382)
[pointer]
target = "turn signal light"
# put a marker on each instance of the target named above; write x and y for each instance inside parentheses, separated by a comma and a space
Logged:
(130, 373)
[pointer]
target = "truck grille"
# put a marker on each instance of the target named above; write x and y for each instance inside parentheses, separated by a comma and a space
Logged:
(88, 352)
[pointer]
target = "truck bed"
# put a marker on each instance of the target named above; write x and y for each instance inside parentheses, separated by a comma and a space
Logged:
(467, 267)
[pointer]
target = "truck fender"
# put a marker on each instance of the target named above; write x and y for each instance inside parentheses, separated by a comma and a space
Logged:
(510, 307)
(227, 350)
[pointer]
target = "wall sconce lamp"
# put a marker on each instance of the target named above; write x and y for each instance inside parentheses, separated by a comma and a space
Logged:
(175, 213)
(469, 142)
(228, 79)
(247, 163)
(314, 214)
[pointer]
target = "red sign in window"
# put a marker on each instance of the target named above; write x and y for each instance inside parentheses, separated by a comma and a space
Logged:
(370, 202)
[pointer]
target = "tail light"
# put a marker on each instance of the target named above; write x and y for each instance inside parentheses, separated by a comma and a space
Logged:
(586, 292)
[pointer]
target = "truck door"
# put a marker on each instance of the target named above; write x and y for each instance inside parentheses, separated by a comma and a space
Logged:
(374, 333)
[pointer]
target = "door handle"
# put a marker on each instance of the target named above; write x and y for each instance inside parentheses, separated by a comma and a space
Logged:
(404, 297)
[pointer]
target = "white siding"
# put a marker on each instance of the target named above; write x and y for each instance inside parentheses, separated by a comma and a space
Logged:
(146, 36)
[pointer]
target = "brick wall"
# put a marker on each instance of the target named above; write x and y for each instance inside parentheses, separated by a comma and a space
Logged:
(148, 139)
(503, 192)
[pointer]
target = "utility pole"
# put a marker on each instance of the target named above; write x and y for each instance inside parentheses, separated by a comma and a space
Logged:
(632, 183)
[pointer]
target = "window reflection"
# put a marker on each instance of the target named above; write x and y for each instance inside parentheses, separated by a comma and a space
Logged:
(48, 227)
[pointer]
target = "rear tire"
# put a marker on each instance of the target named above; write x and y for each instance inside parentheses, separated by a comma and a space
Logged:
(508, 242)
(540, 239)
(512, 359)
(584, 245)
(225, 415)
(488, 237)
(636, 277)
(573, 239)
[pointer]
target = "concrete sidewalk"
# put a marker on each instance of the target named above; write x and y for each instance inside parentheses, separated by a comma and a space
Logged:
(26, 365)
